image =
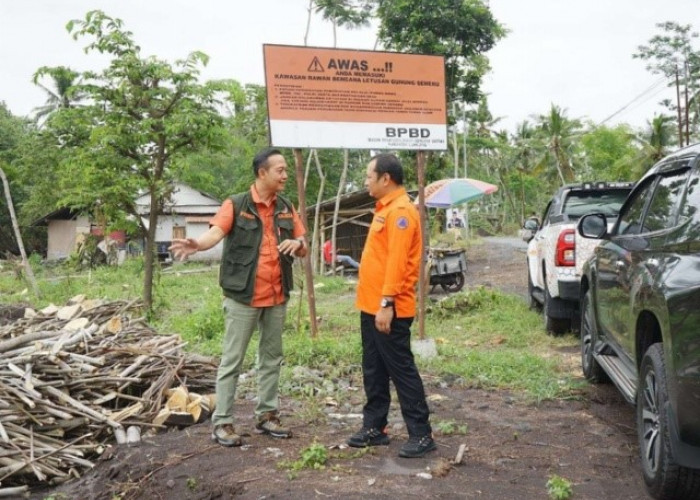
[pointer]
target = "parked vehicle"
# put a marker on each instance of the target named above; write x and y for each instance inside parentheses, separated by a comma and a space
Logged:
(640, 324)
(530, 227)
(448, 268)
(555, 256)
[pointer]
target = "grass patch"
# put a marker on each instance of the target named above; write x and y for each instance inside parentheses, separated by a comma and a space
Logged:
(485, 338)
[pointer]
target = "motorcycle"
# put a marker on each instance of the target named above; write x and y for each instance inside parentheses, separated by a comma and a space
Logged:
(448, 268)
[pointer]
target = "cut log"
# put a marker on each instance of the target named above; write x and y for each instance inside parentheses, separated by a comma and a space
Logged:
(162, 416)
(194, 408)
(178, 399)
(179, 419)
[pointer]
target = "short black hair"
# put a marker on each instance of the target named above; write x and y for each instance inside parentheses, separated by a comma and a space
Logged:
(260, 159)
(387, 163)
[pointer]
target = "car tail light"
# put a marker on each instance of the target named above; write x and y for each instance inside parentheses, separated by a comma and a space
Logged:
(566, 248)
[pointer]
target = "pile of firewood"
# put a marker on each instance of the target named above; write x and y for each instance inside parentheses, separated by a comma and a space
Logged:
(72, 378)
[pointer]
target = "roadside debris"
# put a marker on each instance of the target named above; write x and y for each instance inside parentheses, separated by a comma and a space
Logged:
(73, 377)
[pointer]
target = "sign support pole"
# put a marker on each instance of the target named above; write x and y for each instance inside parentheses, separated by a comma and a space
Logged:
(306, 261)
(425, 239)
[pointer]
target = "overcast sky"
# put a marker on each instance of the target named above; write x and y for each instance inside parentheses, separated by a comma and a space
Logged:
(576, 54)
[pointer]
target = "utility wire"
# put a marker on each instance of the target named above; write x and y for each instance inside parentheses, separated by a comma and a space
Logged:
(652, 87)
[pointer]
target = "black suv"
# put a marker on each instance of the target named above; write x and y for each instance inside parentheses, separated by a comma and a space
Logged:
(640, 317)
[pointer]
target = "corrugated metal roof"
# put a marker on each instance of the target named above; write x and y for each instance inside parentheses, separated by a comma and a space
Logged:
(355, 200)
(184, 200)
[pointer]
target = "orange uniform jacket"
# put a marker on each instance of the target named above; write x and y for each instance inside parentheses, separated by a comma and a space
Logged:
(391, 257)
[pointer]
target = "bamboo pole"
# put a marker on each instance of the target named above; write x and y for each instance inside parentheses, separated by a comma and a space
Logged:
(425, 238)
(18, 235)
(298, 162)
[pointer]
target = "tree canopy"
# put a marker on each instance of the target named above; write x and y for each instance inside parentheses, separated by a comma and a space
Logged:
(142, 115)
(461, 30)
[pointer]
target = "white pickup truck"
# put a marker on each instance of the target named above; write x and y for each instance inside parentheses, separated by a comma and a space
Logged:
(556, 253)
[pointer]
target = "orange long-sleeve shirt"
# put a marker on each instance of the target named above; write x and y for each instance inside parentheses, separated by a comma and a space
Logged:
(391, 256)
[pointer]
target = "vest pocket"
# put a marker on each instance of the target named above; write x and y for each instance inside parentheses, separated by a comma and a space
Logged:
(237, 273)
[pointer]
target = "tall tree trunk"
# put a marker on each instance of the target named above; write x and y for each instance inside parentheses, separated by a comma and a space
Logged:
(678, 107)
(555, 150)
(308, 168)
(150, 251)
(455, 143)
(308, 21)
(18, 235)
(155, 208)
(522, 197)
(336, 209)
(506, 192)
(318, 235)
(308, 272)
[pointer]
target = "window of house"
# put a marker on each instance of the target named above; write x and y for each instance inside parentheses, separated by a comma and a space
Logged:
(179, 232)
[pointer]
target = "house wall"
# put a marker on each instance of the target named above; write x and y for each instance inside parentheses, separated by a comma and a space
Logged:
(63, 237)
(194, 227)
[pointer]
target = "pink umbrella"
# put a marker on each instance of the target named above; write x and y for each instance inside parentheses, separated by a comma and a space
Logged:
(446, 193)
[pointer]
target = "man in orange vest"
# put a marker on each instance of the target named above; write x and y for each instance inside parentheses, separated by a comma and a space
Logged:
(386, 299)
(262, 234)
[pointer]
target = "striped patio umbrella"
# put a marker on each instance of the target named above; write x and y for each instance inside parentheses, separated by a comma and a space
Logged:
(446, 193)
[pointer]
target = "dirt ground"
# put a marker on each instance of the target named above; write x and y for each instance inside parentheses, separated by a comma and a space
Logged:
(512, 448)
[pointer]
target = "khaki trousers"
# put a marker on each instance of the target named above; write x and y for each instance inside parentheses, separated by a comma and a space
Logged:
(240, 322)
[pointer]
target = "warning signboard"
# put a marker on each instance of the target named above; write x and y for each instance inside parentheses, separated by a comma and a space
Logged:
(335, 98)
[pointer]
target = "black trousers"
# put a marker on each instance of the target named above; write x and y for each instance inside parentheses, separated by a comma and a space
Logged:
(389, 357)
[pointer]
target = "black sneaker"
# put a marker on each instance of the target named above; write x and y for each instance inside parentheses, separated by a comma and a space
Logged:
(368, 436)
(416, 446)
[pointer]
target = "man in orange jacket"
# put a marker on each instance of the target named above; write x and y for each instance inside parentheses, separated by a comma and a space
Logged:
(386, 299)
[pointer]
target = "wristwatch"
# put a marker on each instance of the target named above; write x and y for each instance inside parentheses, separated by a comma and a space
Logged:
(386, 302)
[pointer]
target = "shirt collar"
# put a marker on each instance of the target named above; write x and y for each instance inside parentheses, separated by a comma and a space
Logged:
(256, 197)
(388, 198)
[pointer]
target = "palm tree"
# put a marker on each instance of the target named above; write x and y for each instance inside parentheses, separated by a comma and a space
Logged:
(524, 152)
(62, 94)
(656, 142)
(559, 132)
(344, 13)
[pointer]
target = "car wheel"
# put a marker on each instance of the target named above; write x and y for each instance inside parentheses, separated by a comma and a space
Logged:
(664, 478)
(589, 336)
(553, 326)
(456, 285)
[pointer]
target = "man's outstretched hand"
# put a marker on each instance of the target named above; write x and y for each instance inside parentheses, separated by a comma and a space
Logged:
(182, 249)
